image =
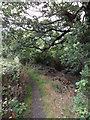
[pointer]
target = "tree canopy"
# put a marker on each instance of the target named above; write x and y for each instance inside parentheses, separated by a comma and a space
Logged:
(34, 28)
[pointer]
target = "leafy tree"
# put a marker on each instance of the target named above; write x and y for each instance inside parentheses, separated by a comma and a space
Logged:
(44, 31)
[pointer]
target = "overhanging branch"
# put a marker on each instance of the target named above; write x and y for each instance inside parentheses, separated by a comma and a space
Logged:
(53, 42)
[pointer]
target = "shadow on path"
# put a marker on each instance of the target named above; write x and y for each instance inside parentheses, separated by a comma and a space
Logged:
(37, 110)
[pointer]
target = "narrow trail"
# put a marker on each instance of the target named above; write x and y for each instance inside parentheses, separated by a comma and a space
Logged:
(37, 110)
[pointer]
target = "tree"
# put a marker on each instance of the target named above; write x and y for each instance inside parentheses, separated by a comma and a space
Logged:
(39, 28)
(50, 27)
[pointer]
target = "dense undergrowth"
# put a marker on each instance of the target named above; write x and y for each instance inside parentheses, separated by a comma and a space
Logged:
(13, 88)
(81, 100)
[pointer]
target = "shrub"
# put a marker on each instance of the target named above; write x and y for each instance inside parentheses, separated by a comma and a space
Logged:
(81, 99)
(10, 72)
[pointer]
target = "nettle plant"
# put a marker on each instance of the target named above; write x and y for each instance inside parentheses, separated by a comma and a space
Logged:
(83, 88)
(10, 73)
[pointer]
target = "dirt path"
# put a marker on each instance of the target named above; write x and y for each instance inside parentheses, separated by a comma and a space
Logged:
(37, 110)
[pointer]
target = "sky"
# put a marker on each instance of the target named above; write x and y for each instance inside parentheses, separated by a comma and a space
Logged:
(33, 12)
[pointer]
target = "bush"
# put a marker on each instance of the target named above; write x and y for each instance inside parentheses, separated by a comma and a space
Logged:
(83, 88)
(10, 72)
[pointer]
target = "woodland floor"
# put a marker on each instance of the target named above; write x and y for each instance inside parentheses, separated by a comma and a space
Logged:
(56, 101)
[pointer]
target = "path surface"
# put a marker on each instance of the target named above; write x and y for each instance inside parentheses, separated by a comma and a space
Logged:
(37, 110)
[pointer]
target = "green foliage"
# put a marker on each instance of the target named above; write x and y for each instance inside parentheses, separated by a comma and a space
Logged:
(26, 36)
(10, 72)
(27, 42)
(73, 52)
(13, 106)
(83, 89)
(43, 58)
(11, 68)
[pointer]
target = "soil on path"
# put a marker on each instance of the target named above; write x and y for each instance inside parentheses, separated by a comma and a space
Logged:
(37, 110)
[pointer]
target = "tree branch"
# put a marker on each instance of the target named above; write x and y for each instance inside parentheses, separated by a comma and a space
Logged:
(53, 42)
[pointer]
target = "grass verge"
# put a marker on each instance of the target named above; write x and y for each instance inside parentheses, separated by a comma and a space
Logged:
(27, 97)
